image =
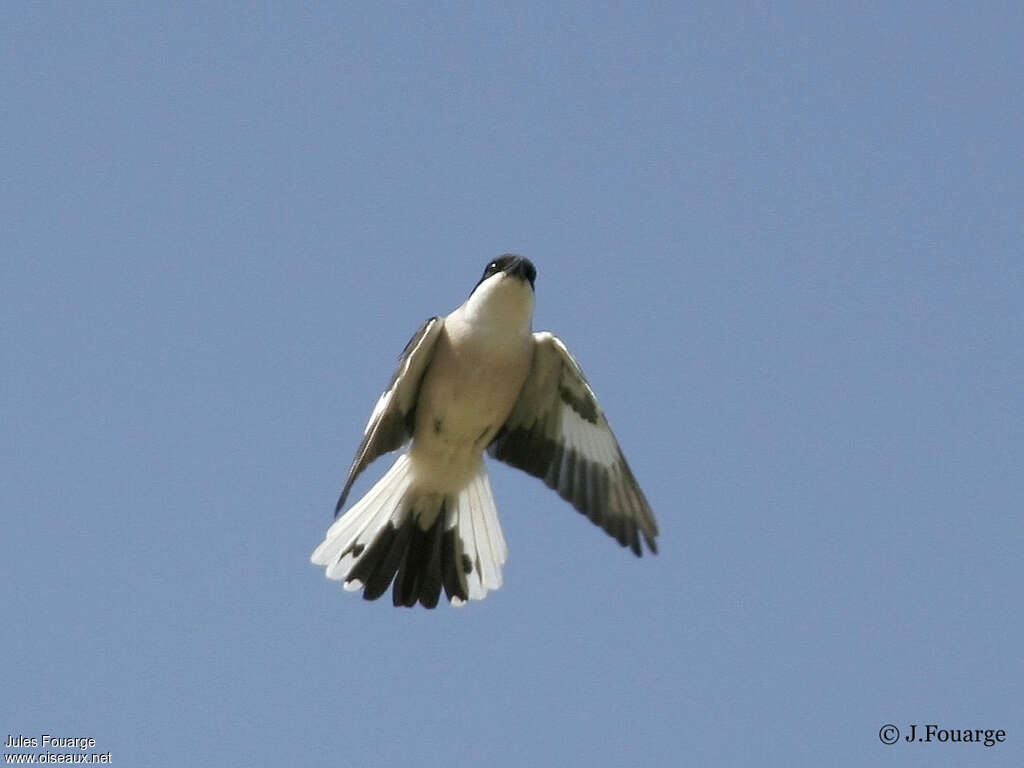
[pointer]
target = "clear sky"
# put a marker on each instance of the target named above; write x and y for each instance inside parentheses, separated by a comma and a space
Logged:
(783, 240)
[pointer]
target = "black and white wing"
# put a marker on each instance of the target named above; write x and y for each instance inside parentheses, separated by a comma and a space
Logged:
(391, 422)
(557, 432)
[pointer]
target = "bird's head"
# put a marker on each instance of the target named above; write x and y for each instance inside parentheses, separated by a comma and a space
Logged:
(505, 291)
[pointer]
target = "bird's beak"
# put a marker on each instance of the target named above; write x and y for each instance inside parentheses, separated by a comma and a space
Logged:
(523, 269)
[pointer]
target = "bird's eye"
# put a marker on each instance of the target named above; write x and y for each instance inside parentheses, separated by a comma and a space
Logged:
(492, 268)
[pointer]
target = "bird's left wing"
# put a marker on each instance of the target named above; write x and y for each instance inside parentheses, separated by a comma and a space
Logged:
(557, 432)
(391, 422)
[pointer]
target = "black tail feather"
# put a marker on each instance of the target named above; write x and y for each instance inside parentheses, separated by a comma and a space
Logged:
(418, 561)
(453, 568)
(371, 556)
(381, 560)
(419, 575)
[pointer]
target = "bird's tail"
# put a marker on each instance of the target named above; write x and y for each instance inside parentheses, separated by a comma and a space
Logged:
(422, 541)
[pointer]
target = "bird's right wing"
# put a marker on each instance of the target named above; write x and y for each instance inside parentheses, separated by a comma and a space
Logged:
(391, 422)
(557, 432)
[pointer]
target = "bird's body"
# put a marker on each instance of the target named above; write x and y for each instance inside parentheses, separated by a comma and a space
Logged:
(481, 359)
(476, 380)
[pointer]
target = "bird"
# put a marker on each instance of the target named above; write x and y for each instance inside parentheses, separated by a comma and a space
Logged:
(478, 380)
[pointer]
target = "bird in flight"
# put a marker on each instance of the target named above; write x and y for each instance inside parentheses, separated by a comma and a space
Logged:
(477, 380)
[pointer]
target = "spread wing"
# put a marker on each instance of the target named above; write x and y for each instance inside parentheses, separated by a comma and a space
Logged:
(391, 422)
(557, 432)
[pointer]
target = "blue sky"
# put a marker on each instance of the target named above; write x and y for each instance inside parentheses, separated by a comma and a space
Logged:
(783, 240)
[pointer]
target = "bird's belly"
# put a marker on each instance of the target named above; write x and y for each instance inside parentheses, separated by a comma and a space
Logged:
(462, 418)
(460, 409)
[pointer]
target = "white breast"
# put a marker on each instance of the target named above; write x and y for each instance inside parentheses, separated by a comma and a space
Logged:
(478, 369)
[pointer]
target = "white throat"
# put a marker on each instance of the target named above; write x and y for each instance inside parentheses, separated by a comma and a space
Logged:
(501, 300)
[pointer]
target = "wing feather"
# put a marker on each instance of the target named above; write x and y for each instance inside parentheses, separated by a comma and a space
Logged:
(558, 433)
(391, 421)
